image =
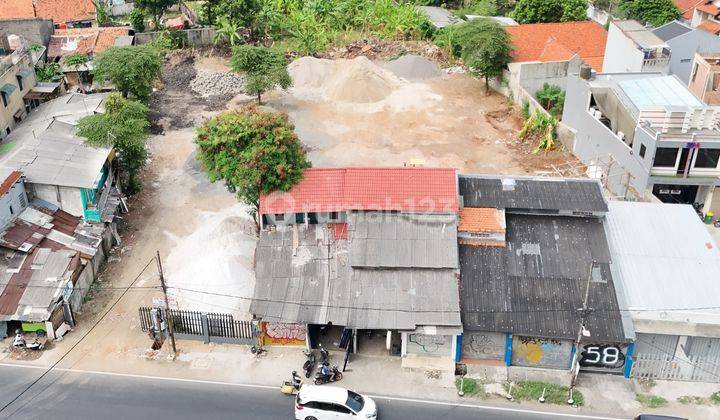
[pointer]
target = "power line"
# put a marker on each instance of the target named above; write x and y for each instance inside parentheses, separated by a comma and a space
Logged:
(74, 345)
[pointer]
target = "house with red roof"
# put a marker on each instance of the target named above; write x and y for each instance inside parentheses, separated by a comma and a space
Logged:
(73, 13)
(549, 52)
(352, 253)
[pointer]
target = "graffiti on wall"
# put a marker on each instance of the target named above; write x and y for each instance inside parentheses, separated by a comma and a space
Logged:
(602, 356)
(278, 333)
(438, 345)
(483, 345)
(541, 352)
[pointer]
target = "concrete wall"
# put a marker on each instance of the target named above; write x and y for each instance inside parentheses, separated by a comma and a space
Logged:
(12, 200)
(684, 48)
(483, 345)
(35, 31)
(429, 345)
(541, 352)
(594, 142)
(9, 69)
(531, 76)
(196, 37)
(553, 376)
(702, 81)
(621, 53)
(67, 198)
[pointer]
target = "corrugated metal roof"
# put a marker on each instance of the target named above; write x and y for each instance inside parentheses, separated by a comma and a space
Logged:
(666, 259)
(641, 35)
(407, 189)
(534, 194)
(535, 284)
(672, 30)
(316, 284)
(45, 148)
(403, 240)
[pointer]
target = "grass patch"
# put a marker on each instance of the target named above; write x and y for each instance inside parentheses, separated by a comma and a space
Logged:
(554, 394)
(471, 387)
(691, 399)
(715, 397)
(650, 401)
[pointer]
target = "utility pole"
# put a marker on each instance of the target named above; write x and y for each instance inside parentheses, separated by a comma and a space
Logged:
(584, 312)
(171, 327)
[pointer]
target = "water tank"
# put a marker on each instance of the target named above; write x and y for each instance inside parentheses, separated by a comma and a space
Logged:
(585, 72)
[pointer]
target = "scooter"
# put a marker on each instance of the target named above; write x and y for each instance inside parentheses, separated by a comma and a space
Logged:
(333, 376)
(324, 355)
(19, 339)
(309, 363)
(291, 387)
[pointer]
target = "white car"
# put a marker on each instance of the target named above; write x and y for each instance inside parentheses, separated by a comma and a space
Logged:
(315, 402)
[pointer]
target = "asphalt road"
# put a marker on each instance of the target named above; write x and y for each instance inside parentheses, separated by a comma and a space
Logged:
(81, 395)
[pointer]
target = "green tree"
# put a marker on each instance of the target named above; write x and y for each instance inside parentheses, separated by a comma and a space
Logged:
(654, 12)
(137, 20)
(227, 31)
(552, 98)
(484, 46)
(264, 69)
(254, 151)
(540, 11)
(155, 8)
(125, 127)
(101, 12)
(131, 69)
(240, 12)
(48, 72)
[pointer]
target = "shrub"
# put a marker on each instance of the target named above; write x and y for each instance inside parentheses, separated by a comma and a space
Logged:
(651, 401)
(554, 394)
(552, 98)
(137, 20)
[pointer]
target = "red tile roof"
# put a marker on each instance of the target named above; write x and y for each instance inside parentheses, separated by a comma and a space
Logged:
(687, 7)
(709, 26)
(546, 42)
(84, 40)
(709, 8)
(9, 182)
(481, 220)
(422, 190)
(16, 9)
(61, 11)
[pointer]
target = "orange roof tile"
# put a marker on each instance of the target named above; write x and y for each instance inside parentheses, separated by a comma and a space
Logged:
(16, 9)
(481, 243)
(709, 26)
(687, 7)
(481, 219)
(84, 40)
(61, 11)
(9, 182)
(709, 8)
(422, 190)
(554, 41)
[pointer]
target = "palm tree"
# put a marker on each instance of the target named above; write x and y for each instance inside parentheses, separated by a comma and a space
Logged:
(227, 31)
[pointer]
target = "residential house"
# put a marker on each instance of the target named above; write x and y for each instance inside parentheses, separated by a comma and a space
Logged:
(32, 30)
(17, 79)
(631, 47)
(530, 249)
(49, 260)
(548, 52)
(705, 80)
(687, 8)
(670, 287)
(364, 257)
(64, 13)
(59, 167)
(706, 16)
(85, 41)
(684, 41)
(658, 136)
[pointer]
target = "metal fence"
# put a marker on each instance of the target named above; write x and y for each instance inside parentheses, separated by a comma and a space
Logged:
(664, 367)
(192, 325)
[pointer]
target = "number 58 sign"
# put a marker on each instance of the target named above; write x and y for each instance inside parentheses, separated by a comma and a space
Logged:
(602, 356)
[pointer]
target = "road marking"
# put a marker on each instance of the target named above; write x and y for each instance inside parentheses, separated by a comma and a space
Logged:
(257, 386)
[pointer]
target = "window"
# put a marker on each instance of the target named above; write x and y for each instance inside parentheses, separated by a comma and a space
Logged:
(355, 401)
(333, 215)
(642, 150)
(23, 202)
(694, 73)
(4, 98)
(299, 218)
(7, 131)
(20, 82)
(685, 60)
(339, 408)
(279, 217)
(11, 210)
(707, 158)
(665, 157)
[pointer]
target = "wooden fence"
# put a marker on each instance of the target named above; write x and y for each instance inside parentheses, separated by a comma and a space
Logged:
(664, 367)
(192, 325)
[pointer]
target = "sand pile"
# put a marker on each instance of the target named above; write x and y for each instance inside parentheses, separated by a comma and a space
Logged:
(413, 67)
(355, 81)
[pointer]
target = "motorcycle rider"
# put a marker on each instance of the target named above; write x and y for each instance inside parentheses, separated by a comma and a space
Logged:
(326, 371)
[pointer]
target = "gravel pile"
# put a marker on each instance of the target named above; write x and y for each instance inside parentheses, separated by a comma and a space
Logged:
(214, 83)
(413, 67)
(178, 72)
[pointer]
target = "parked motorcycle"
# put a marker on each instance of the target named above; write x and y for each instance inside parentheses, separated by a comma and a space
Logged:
(324, 355)
(19, 342)
(309, 363)
(19, 339)
(333, 375)
(292, 386)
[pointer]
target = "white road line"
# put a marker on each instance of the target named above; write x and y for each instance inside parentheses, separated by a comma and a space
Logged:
(257, 386)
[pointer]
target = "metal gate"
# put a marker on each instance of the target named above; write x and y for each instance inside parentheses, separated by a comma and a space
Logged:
(664, 367)
(191, 325)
